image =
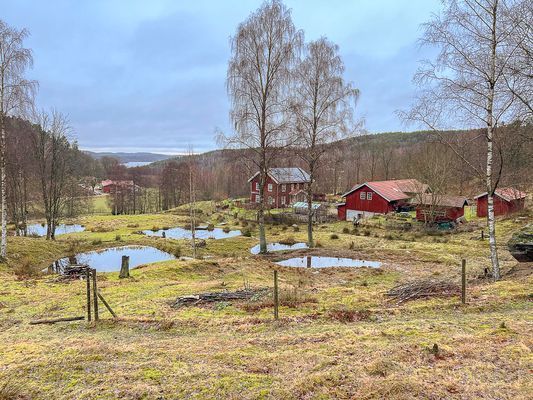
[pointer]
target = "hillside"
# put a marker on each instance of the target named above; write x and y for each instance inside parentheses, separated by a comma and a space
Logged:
(125, 157)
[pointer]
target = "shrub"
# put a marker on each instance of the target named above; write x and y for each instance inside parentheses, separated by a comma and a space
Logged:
(334, 236)
(226, 229)
(388, 236)
(288, 241)
(155, 228)
(96, 242)
(366, 232)
(211, 227)
(25, 268)
(296, 228)
(318, 244)
(177, 251)
(354, 231)
(247, 232)
(118, 238)
(345, 230)
(244, 223)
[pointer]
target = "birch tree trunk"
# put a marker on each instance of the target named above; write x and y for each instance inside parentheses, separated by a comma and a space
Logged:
(3, 189)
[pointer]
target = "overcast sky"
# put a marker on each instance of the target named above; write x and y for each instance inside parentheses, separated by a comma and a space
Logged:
(150, 75)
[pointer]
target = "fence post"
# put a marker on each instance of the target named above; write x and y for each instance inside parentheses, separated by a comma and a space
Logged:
(95, 295)
(276, 297)
(88, 279)
(308, 260)
(125, 267)
(463, 281)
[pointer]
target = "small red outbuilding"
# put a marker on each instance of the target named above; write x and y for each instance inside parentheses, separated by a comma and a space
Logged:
(439, 208)
(506, 201)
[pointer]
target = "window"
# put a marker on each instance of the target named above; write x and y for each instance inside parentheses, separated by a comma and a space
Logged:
(257, 186)
(292, 186)
(283, 188)
(269, 187)
(283, 199)
(362, 195)
(257, 198)
(270, 200)
(369, 195)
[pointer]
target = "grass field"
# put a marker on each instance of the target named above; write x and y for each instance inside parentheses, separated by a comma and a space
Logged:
(339, 335)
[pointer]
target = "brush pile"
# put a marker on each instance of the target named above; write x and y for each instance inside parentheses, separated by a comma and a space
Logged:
(214, 297)
(424, 288)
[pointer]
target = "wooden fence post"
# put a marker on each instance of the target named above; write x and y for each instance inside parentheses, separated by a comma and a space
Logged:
(276, 297)
(463, 281)
(107, 305)
(95, 295)
(88, 279)
(308, 260)
(125, 267)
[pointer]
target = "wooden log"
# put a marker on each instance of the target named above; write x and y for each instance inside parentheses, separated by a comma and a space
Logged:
(463, 281)
(88, 279)
(95, 295)
(276, 296)
(54, 320)
(125, 268)
(107, 305)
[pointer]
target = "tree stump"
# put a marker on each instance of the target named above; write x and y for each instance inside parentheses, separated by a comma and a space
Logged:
(125, 268)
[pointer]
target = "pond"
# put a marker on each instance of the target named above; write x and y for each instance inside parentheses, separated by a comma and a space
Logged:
(182, 233)
(109, 260)
(279, 247)
(326, 262)
(61, 229)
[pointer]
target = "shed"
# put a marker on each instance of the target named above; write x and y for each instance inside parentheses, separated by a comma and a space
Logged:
(506, 200)
(439, 208)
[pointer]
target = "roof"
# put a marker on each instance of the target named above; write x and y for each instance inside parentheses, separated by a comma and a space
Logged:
(441, 200)
(393, 190)
(287, 175)
(507, 193)
(303, 204)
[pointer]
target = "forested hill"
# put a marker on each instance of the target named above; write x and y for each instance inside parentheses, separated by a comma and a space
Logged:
(125, 157)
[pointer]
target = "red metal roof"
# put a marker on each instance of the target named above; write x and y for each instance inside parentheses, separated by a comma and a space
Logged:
(393, 190)
(507, 193)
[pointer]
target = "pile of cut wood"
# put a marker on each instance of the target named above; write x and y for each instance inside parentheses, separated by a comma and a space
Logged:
(214, 297)
(423, 288)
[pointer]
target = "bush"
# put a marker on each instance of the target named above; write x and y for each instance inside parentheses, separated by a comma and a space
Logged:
(155, 228)
(288, 241)
(118, 238)
(244, 223)
(318, 244)
(296, 228)
(177, 251)
(210, 227)
(345, 230)
(226, 229)
(366, 232)
(247, 232)
(334, 236)
(96, 242)
(25, 268)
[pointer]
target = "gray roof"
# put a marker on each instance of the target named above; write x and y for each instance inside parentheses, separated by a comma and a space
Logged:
(287, 175)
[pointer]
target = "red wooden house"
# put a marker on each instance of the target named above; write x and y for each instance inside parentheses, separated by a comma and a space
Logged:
(379, 197)
(281, 187)
(439, 208)
(109, 186)
(506, 201)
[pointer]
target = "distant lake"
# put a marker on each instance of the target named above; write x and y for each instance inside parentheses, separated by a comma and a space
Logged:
(132, 164)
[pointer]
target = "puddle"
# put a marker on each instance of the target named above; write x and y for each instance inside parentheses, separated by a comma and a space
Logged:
(325, 262)
(279, 247)
(182, 233)
(40, 230)
(109, 260)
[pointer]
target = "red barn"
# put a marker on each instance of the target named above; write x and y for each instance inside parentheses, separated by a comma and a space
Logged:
(281, 187)
(109, 186)
(380, 197)
(506, 201)
(439, 208)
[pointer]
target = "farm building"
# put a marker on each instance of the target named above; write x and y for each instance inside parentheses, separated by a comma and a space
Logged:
(109, 186)
(379, 197)
(439, 208)
(282, 186)
(506, 201)
(320, 211)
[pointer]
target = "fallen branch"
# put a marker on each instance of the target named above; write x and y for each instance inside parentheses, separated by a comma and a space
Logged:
(53, 321)
(195, 299)
(423, 289)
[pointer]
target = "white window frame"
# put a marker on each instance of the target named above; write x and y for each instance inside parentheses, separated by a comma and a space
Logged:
(270, 187)
(283, 200)
(257, 186)
(270, 200)
(369, 195)
(283, 188)
(362, 196)
(257, 198)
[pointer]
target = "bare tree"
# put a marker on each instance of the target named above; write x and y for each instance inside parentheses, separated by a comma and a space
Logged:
(466, 83)
(265, 51)
(53, 152)
(192, 199)
(323, 105)
(16, 93)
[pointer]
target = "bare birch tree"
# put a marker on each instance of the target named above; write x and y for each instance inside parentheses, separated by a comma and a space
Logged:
(323, 106)
(467, 81)
(16, 92)
(192, 199)
(265, 50)
(53, 153)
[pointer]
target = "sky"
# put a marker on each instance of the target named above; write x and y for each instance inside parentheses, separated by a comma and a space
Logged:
(149, 75)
